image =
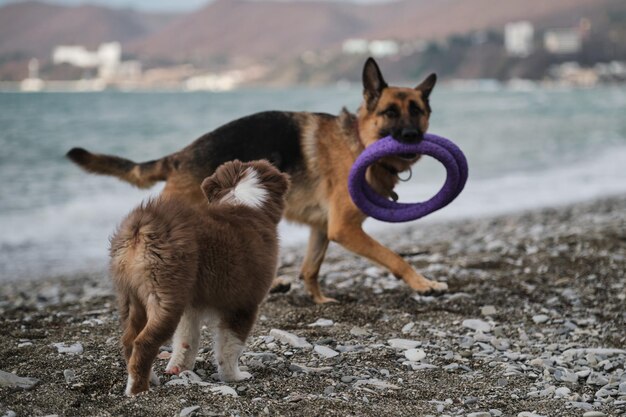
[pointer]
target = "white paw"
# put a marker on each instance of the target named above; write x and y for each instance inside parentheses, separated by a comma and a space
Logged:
(244, 375)
(235, 376)
(129, 385)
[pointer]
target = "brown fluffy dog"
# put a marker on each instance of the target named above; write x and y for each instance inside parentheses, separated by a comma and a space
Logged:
(173, 265)
(317, 150)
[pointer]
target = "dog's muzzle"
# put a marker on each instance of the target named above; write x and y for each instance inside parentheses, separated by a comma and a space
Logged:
(409, 135)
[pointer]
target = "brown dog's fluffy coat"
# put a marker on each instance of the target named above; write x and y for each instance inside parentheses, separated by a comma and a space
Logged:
(174, 264)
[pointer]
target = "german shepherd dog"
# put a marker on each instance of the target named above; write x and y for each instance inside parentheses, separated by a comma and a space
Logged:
(317, 150)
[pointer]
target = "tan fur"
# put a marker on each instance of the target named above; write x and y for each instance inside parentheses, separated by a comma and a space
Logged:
(170, 259)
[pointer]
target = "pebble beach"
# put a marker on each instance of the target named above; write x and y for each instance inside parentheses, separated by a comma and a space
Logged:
(534, 325)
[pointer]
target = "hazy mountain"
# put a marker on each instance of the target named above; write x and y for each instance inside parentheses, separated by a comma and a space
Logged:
(234, 33)
(33, 28)
(270, 29)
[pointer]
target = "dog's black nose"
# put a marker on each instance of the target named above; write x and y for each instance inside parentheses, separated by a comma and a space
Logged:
(410, 134)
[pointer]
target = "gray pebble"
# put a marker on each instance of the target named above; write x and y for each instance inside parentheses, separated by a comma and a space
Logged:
(562, 392)
(408, 327)
(414, 355)
(487, 310)
(294, 367)
(404, 343)
(540, 318)
(596, 378)
(359, 331)
(263, 356)
(477, 324)
(290, 339)
(325, 351)
(69, 375)
(188, 411)
(564, 375)
(581, 404)
(451, 367)
(11, 380)
(470, 400)
(594, 414)
(322, 323)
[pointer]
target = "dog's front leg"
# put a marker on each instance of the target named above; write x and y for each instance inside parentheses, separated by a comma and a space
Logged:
(345, 228)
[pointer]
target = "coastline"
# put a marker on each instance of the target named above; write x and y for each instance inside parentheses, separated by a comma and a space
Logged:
(532, 294)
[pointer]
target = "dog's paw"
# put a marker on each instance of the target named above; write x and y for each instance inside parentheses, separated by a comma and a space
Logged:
(241, 376)
(232, 377)
(322, 299)
(134, 388)
(427, 287)
(439, 286)
(280, 286)
(174, 369)
(436, 290)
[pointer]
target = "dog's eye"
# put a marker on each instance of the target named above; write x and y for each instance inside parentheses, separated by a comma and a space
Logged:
(392, 113)
(414, 110)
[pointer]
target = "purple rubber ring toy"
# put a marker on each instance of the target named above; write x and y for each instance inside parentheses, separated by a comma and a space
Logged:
(381, 208)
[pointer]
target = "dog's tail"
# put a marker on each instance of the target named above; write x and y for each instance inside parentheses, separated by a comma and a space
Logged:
(155, 241)
(142, 175)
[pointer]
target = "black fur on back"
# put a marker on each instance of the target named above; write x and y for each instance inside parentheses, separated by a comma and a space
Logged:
(273, 135)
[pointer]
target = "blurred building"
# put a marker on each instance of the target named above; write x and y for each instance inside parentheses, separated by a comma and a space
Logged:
(562, 41)
(107, 59)
(519, 38)
(376, 48)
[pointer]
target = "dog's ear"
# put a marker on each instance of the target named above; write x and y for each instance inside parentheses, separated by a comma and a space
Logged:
(426, 87)
(225, 177)
(373, 83)
(211, 189)
(284, 182)
(271, 176)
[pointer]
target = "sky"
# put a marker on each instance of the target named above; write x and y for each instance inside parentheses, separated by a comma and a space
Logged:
(156, 5)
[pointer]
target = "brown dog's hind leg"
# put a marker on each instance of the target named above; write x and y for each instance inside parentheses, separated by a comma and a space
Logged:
(345, 228)
(162, 320)
(133, 317)
(318, 243)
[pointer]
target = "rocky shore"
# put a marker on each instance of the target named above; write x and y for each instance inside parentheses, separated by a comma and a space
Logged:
(534, 325)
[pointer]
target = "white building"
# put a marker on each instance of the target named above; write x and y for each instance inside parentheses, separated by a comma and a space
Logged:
(355, 46)
(107, 59)
(384, 48)
(77, 56)
(377, 48)
(563, 41)
(519, 38)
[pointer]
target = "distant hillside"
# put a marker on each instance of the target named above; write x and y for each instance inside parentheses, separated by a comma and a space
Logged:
(228, 34)
(226, 30)
(32, 29)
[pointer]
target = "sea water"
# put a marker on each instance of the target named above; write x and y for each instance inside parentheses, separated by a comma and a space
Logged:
(526, 149)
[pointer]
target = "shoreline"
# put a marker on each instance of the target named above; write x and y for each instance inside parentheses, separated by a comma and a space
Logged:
(532, 294)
